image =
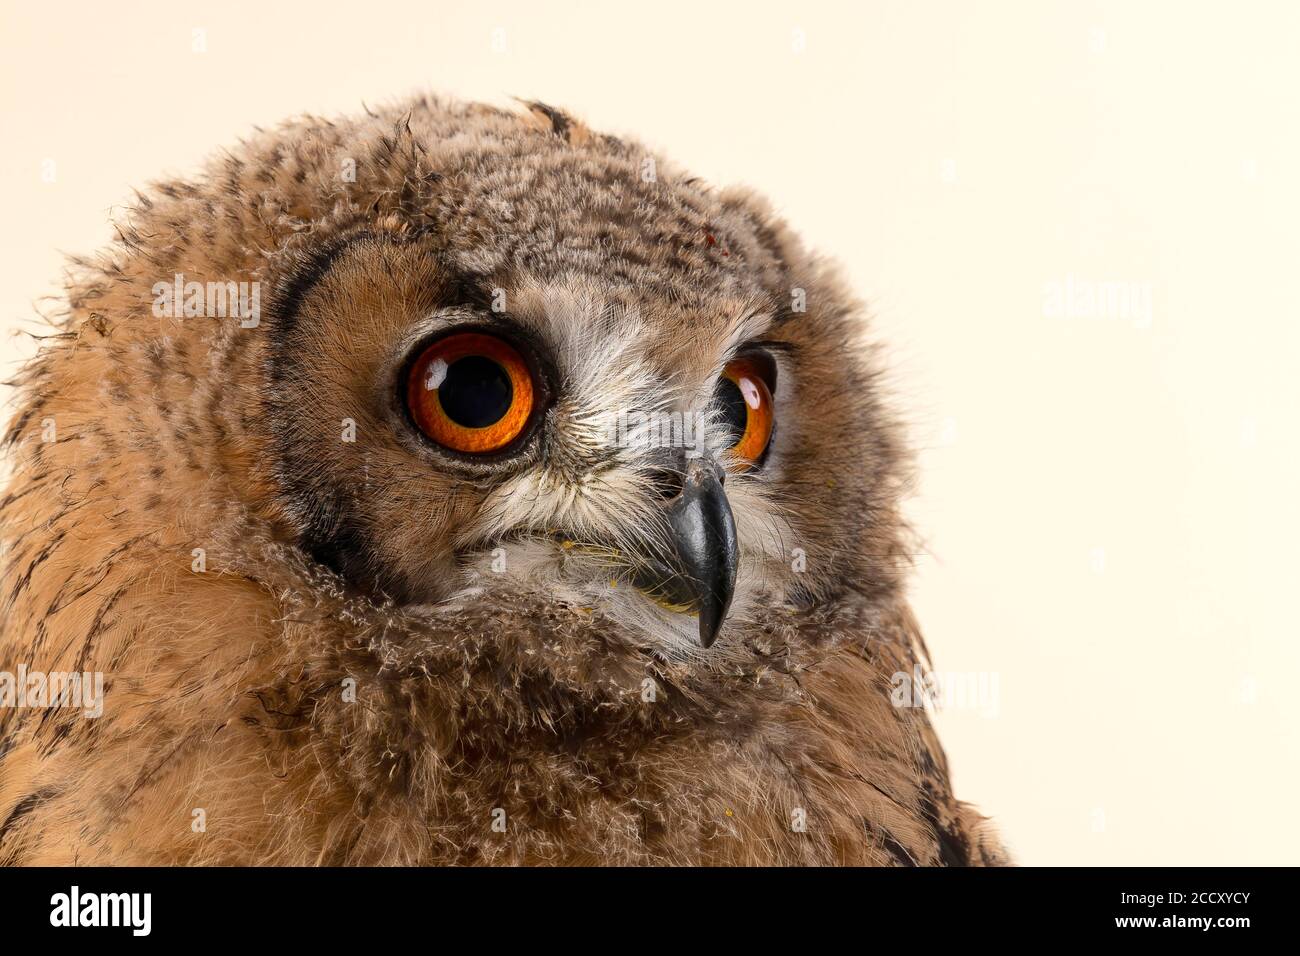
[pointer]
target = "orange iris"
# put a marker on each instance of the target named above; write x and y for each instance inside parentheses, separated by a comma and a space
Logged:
(746, 375)
(471, 392)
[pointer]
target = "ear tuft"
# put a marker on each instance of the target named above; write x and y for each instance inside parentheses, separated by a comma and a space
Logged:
(550, 120)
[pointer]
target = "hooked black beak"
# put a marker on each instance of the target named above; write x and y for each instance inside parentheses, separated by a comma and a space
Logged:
(704, 536)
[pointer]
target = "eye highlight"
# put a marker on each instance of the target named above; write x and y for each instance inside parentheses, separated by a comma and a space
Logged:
(745, 399)
(471, 392)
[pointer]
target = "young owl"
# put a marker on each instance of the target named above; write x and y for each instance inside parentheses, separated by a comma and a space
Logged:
(460, 485)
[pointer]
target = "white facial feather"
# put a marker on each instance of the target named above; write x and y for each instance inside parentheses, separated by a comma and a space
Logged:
(595, 488)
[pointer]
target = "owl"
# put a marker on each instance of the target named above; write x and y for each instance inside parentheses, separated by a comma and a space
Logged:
(455, 484)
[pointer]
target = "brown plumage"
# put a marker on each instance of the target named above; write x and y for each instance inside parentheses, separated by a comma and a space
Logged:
(328, 650)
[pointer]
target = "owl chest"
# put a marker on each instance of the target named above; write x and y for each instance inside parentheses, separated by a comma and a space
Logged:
(704, 797)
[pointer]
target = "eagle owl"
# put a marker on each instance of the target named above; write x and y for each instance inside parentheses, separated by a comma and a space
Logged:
(456, 484)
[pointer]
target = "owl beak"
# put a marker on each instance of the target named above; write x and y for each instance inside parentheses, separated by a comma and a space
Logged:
(704, 535)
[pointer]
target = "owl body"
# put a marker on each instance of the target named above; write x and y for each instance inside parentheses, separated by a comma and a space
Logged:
(329, 636)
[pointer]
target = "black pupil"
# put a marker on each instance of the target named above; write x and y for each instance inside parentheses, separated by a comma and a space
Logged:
(735, 413)
(476, 392)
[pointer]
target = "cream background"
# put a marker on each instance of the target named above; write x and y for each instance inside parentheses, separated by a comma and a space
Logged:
(1110, 506)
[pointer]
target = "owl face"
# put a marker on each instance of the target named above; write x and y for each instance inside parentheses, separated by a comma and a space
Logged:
(630, 394)
(621, 451)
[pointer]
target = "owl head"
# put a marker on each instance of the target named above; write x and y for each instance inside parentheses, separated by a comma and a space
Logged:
(398, 468)
(448, 349)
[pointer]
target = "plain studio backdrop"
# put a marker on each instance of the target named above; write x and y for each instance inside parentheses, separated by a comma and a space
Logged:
(1077, 227)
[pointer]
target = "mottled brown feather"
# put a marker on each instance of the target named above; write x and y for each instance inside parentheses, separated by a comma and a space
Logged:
(224, 687)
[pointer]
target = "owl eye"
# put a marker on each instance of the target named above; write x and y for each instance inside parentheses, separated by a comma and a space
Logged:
(744, 397)
(471, 392)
